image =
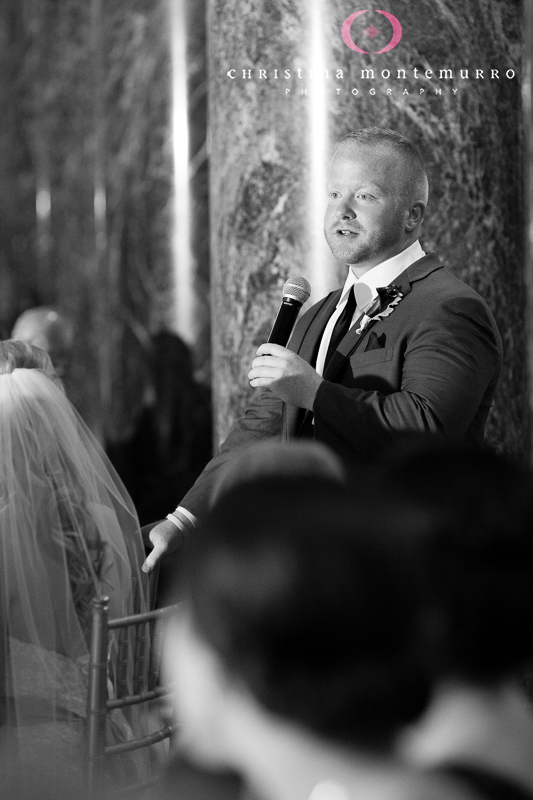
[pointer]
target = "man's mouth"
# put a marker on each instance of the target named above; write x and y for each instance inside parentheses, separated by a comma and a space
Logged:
(346, 232)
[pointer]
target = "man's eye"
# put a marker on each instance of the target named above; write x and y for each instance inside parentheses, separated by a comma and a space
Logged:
(334, 195)
(364, 196)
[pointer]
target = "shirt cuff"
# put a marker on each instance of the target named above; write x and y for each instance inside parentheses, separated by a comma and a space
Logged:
(182, 519)
(192, 519)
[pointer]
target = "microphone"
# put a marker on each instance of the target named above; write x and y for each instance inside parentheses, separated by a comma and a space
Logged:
(296, 292)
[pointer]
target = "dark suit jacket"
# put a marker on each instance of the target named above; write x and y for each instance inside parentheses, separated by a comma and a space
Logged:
(430, 366)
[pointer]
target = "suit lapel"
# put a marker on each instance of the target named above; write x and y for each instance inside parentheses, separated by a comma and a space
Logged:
(305, 339)
(349, 344)
(415, 272)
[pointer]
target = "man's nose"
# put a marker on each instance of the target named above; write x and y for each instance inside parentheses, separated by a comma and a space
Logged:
(345, 210)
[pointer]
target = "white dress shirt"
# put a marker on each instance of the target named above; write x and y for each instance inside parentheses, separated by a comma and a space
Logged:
(365, 289)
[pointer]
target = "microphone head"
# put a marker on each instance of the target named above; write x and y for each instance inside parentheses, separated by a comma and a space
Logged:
(297, 288)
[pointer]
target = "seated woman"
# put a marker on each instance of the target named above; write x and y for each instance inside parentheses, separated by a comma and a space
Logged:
(293, 652)
(474, 513)
(68, 532)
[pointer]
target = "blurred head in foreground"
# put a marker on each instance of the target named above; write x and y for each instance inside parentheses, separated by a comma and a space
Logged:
(300, 613)
(472, 521)
(294, 459)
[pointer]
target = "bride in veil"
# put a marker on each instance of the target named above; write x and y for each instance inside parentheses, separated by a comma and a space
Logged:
(68, 532)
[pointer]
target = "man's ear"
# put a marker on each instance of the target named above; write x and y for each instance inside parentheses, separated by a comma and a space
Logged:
(415, 216)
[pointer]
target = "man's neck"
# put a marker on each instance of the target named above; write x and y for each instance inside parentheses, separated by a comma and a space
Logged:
(360, 269)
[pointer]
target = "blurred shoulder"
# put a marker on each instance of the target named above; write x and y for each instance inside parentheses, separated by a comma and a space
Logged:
(429, 786)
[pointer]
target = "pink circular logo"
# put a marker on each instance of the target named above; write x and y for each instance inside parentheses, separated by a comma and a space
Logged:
(371, 31)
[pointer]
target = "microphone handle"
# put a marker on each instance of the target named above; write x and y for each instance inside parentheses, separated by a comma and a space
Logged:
(284, 322)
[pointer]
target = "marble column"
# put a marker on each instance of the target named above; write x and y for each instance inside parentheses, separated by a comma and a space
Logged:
(259, 188)
(451, 83)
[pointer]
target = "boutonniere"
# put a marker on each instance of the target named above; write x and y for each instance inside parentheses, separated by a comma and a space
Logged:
(384, 304)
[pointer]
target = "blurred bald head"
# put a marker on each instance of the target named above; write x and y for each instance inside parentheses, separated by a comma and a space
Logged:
(49, 329)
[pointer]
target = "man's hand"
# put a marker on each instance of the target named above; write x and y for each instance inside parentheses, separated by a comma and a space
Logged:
(165, 538)
(290, 378)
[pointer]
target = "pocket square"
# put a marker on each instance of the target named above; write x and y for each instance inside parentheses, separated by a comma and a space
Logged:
(375, 342)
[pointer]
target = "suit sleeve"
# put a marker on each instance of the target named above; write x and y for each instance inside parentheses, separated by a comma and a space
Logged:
(449, 364)
(262, 419)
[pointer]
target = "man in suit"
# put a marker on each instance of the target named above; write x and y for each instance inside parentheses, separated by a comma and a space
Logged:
(403, 346)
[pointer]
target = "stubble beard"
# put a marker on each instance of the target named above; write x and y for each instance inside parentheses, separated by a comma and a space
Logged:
(350, 252)
(358, 250)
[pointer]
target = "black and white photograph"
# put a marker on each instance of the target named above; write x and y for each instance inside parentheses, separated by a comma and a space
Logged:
(266, 360)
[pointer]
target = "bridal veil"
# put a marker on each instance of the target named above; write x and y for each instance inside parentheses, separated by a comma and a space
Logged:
(68, 533)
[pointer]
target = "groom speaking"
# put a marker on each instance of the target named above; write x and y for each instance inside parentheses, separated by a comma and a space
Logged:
(402, 346)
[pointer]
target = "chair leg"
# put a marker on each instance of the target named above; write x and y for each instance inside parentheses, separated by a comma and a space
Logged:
(97, 698)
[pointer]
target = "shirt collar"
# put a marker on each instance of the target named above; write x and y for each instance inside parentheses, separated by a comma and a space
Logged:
(381, 275)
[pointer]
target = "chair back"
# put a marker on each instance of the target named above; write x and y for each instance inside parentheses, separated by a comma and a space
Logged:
(124, 655)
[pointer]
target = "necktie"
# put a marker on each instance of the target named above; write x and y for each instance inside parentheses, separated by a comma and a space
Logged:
(342, 326)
